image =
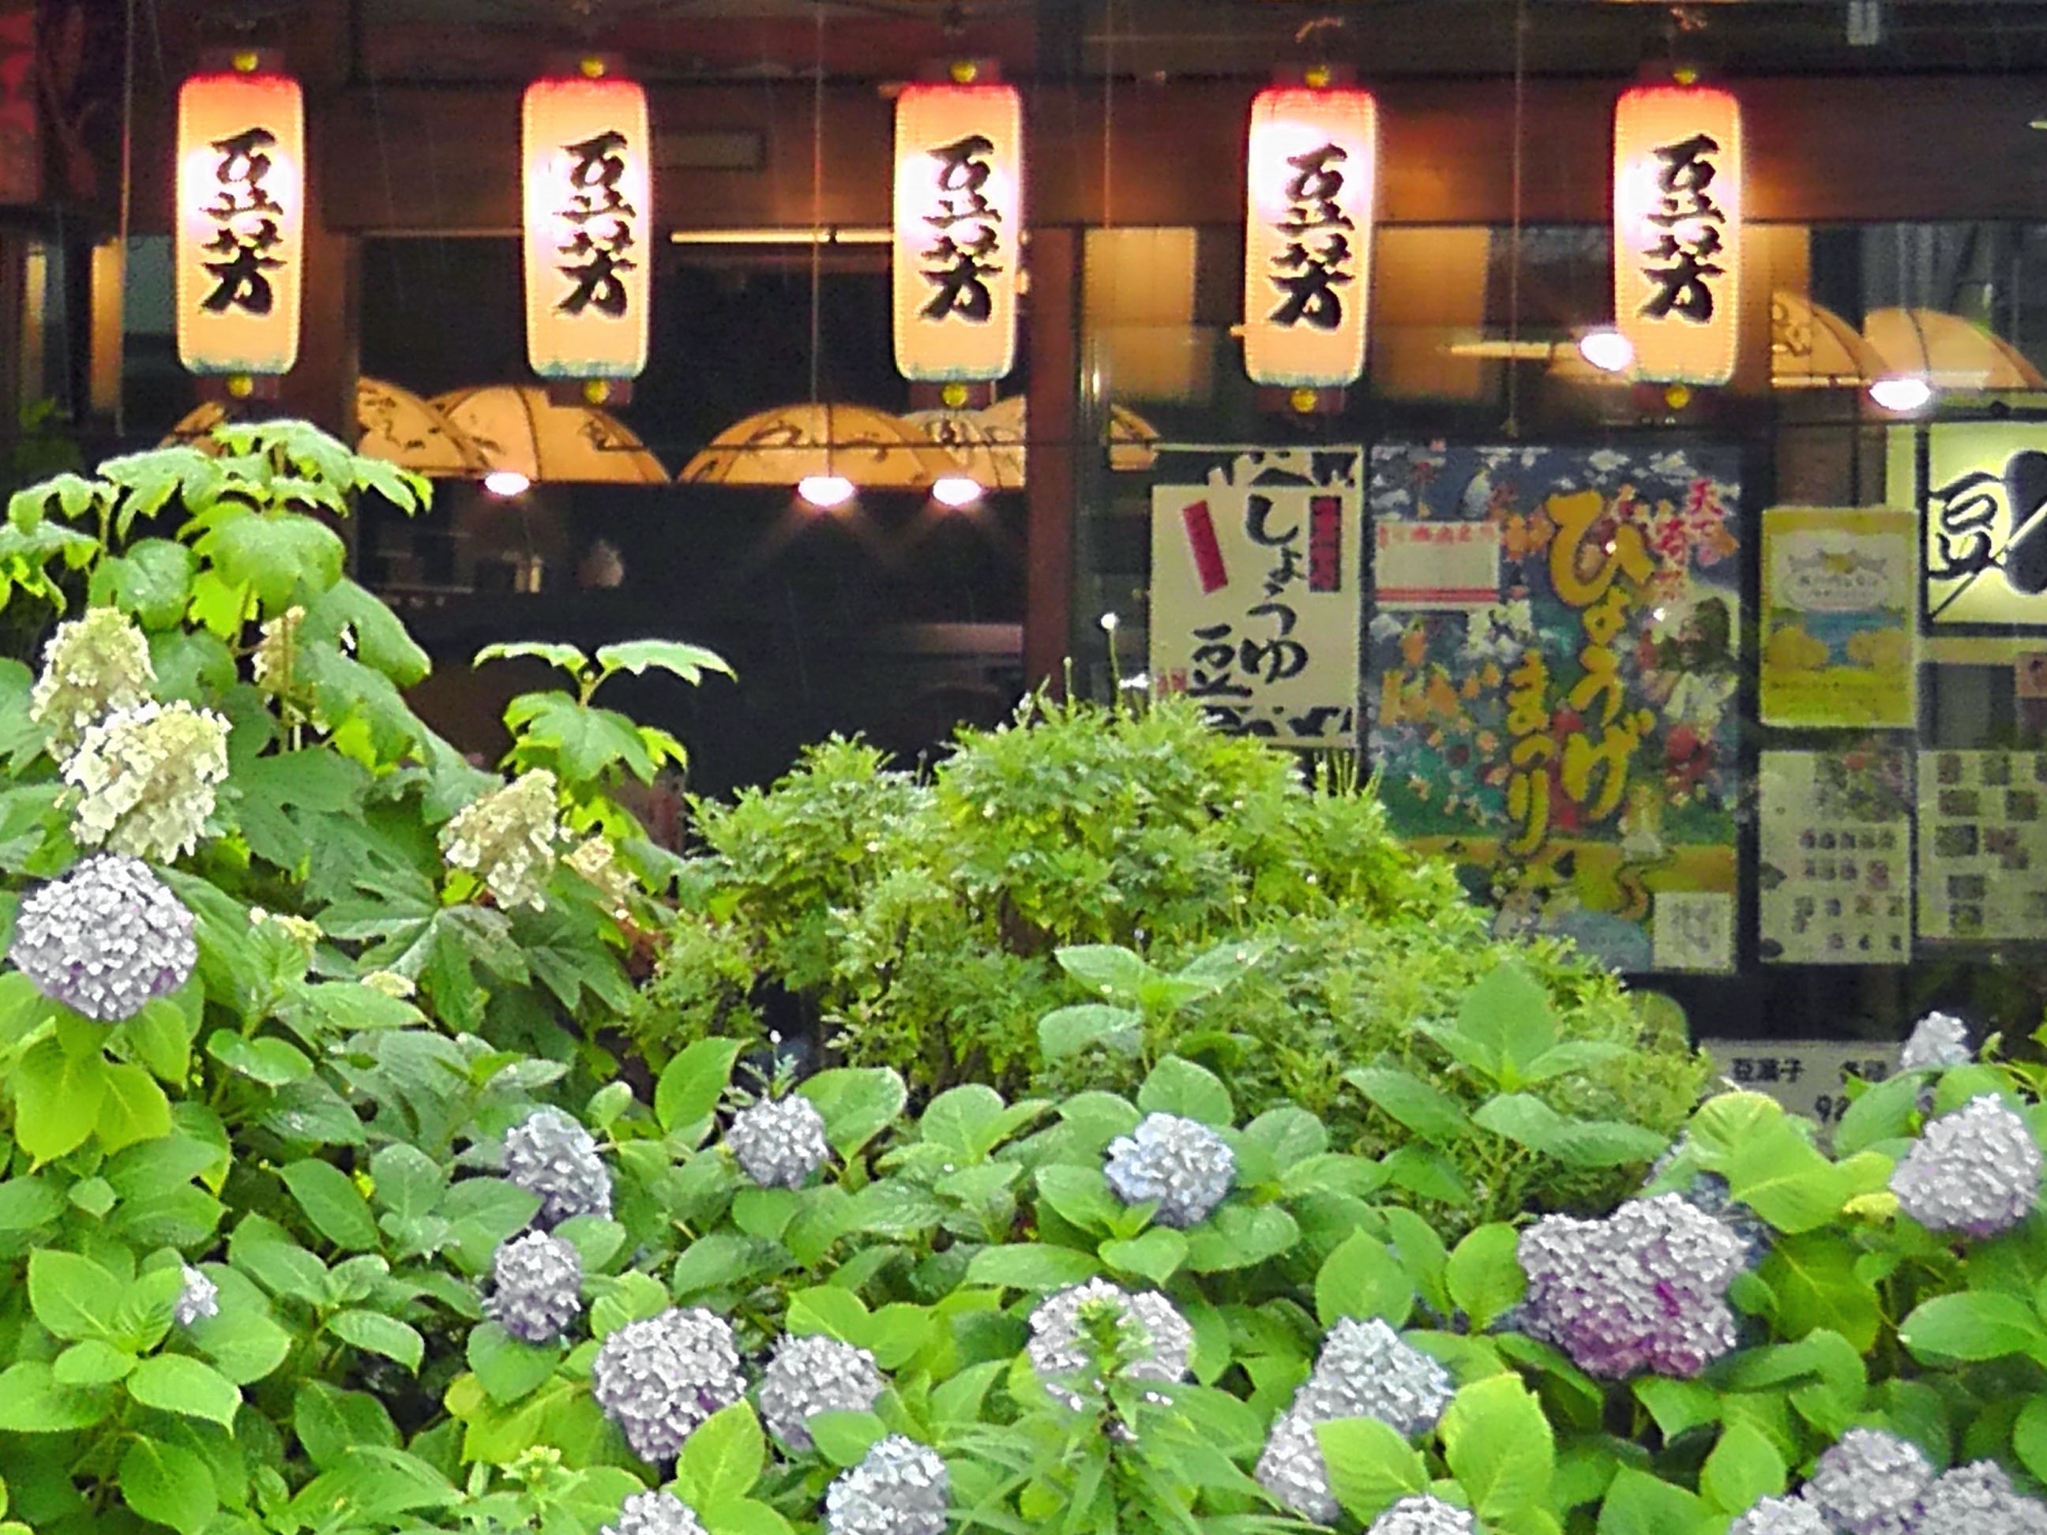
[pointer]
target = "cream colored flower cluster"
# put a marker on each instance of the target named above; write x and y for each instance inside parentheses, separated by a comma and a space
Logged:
(92, 666)
(508, 839)
(146, 777)
(596, 860)
(274, 662)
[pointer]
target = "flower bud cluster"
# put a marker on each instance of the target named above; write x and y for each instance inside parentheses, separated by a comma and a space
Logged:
(1152, 1340)
(1976, 1170)
(549, 1154)
(1644, 1289)
(105, 939)
(1181, 1163)
(779, 1142)
(899, 1488)
(812, 1374)
(658, 1379)
(536, 1287)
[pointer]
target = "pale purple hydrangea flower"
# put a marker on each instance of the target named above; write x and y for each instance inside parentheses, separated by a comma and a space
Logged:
(1423, 1515)
(1938, 1040)
(658, 1379)
(779, 1142)
(199, 1299)
(1780, 1516)
(106, 939)
(654, 1513)
(536, 1287)
(549, 1154)
(1155, 1342)
(812, 1374)
(1869, 1483)
(1976, 1170)
(1181, 1163)
(1977, 1499)
(899, 1488)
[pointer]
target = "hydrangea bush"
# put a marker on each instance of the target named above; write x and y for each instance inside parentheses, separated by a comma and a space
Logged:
(327, 1208)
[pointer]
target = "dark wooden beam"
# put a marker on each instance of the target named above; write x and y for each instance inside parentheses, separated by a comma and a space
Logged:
(1053, 333)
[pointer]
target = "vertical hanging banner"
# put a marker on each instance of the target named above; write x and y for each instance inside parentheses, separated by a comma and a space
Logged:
(241, 221)
(1677, 231)
(589, 220)
(1311, 171)
(958, 228)
(1554, 675)
(1255, 590)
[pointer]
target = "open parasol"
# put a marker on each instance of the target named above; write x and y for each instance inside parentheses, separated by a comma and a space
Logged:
(521, 430)
(791, 443)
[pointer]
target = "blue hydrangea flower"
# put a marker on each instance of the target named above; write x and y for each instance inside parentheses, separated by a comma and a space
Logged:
(1181, 1163)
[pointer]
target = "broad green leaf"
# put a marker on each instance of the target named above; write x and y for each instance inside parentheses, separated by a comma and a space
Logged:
(1815, 1280)
(380, 636)
(1499, 1447)
(1973, 1325)
(1638, 1503)
(160, 1037)
(406, 1181)
(1676, 1405)
(376, 1333)
(1426, 1110)
(27, 1202)
(2029, 1435)
(693, 1082)
(564, 657)
(1362, 1279)
(169, 1485)
(332, 1203)
(273, 1062)
(1744, 1466)
(1509, 1013)
(1030, 1266)
(508, 1368)
(1239, 1236)
(723, 1456)
(1192, 1092)
(857, 1103)
(844, 1438)
(179, 1384)
(1082, 1197)
(329, 1422)
(1370, 1466)
(1484, 1274)
(275, 555)
(689, 662)
(132, 1107)
(31, 1401)
(579, 741)
(1067, 1031)
(1530, 1122)
(91, 1363)
(57, 1099)
(1155, 1254)
(1107, 969)
(71, 1295)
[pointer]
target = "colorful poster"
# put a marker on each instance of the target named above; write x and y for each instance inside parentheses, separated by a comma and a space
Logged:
(1983, 504)
(1568, 738)
(1982, 844)
(1256, 589)
(1834, 869)
(1838, 617)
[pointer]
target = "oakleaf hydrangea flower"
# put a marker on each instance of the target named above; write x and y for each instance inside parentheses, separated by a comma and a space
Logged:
(1365, 1371)
(105, 939)
(899, 1488)
(536, 1287)
(812, 1374)
(596, 861)
(1643, 1289)
(200, 1298)
(1977, 1499)
(1780, 1516)
(93, 665)
(1938, 1040)
(1181, 1163)
(779, 1142)
(400, 988)
(658, 1379)
(274, 663)
(1976, 1170)
(507, 839)
(1422, 1515)
(1869, 1483)
(1152, 1340)
(549, 1154)
(146, 777)
(654, 1513)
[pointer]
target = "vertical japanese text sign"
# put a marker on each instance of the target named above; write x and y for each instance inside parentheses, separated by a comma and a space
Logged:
(1677, 231)
(958, 224)
(588, 219)
(1310, 173)
(241, 221)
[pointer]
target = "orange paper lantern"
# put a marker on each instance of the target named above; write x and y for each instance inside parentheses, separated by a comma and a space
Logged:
(1311, 170)
(589, 221)
(1677, 231)
(958, 229)
(241, 222)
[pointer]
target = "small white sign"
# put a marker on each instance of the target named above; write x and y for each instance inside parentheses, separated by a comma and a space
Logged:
(1807, 1076)
(1693, 930)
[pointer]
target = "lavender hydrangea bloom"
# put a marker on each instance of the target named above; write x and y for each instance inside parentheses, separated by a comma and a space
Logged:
(1291, 1468)
(811, 1375)
(1938, 1040)
(779, 1142)
(199, 1299)
(106, 939)
(1643, 1289)
(1869, 1483)
(1423, 1515)
(1156, 1342)
(899, 1488)
(654, 1513)
(1180, 1163)
(1976, 1170)
(1977, 1499)
(536, 1287)
(659, 1378)
(553, 1156)
(1780, 1516)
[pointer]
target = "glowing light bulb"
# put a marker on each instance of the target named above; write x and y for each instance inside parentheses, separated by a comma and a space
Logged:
(506, 482)
(955, 490)
(1902, 394)
(1109, 622)
(825, 491)
(1607, 350)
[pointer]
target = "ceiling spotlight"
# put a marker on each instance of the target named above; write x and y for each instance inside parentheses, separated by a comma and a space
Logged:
(506, 482)
(1607, 350)
(825, 491)
(955, 490)
(1902, 394)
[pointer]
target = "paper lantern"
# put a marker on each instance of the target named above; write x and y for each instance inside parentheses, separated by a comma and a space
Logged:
(589, 225)
(958, 231)
(241, 221)
(1311, 171)
(1677, 231)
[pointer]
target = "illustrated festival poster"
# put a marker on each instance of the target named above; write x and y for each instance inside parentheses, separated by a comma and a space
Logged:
(1256, 589)
(1839, 615)
(1834, 866)
(1554, 676)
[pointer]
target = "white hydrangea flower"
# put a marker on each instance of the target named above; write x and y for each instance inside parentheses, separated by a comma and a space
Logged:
(654, 1513)
(274, 663)
(659, 1378)
(105, 939)
(1938, 1040)
(899, 1488)
(92, 666)
(779, 1142)
(1976, 1170)
(1869, 1483)
(1291, 1468)
(1181, 1163)
(549, 1154)
(200, 1298)
(536, 1287)
(811, 1374)
(1154, 1341)
(146, 777)
(507, 839)
(1423, 1515)
(1780, 1516)
(1977, 1499)
(596, 861)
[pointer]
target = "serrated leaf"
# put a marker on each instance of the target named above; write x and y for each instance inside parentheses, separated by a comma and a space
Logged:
(175, 1383)
(168, 1485)
(376, 1333)
(564, 657)
(689, 662)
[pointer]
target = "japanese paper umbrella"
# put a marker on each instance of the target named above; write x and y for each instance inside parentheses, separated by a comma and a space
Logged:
(519, 428)
(394, 424)
(1131, 437)
(982, 457)
(873, 449)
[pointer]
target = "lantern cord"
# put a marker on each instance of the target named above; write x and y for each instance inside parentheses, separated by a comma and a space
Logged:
(127, 198)
(817, 226)
(1512, 425)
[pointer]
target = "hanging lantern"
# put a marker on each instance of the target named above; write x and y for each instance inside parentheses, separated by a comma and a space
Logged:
(958, 225)
(589, 223)
(241, 221)
(1310, 172)
(1677, 230)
